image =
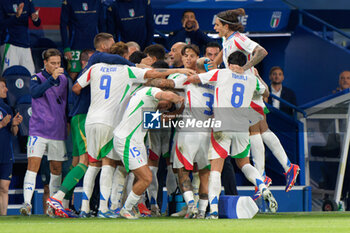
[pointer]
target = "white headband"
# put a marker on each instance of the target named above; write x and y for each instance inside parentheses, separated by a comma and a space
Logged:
(225, 21)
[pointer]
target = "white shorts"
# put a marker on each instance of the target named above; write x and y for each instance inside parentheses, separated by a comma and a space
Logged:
(54, 149)
(15, 55)
(192, 147)
(99, 140)
(259, 106)
(173, 145)
(222, 142)
(159, 143)
(132, 153)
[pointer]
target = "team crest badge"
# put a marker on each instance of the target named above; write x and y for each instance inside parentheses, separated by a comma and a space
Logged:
(1, 116)
(29, 111)
(19, 83)
(275, 19)
(85, 6)
(15, 6)
(131, 12)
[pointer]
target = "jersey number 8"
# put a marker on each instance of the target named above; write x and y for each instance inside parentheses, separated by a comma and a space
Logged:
(237, 95)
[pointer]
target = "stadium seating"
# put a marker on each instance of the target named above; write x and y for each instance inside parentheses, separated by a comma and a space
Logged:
(16, 70)
(25, 109)
(18, 83)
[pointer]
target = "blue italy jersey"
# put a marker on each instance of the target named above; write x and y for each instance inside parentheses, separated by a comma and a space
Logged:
(82, 102)
(84, 19)
(6, 152)
(16, 28)
(131, 21)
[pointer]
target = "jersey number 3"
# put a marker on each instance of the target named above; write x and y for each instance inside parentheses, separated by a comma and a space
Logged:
(237, 95)
(105, 84)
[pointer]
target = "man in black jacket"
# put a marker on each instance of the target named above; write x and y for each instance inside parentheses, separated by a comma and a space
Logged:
(276, 88)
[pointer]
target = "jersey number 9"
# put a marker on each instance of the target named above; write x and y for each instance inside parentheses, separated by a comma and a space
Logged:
(105, 84)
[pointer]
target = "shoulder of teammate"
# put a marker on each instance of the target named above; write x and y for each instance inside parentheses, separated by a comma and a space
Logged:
(135, 73)
(243, 42)
(85, 78)
(35, 78)
(152, 91)
(211, 76)
(178, 79)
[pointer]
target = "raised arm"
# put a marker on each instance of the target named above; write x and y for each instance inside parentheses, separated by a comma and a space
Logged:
(170, 96)
(217, 61)
(76, 88)
(266, 94)
(259, 53)
(162, 73)
(161, 83)
(64, 21)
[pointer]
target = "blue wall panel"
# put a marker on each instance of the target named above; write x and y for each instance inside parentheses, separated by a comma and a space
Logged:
(313, 65)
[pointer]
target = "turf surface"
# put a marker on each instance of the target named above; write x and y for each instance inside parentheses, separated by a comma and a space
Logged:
(315, 222)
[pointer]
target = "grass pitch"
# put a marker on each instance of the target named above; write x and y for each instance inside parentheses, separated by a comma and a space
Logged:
(315, 222)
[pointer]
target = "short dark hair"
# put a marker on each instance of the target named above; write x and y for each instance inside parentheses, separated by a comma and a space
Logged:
(232, 16)
(137, 56)
(237, 58)
(155, 50)
(84, 55)
(187, 11)
(275, 68)
(51, 53)
(119, 48)
(100, 38)
(192, 47)
(212, 44)
(2, 79)
(160, 64)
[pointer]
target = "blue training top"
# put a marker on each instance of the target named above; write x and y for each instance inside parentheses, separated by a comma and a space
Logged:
(17, 28)
(6, 151)
(84, 18)
(131, 21)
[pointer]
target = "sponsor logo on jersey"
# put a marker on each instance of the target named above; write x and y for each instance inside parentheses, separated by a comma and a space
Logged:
(275, 19)
(85, 6)
(151, 120)
(131, 12)
(15, 6)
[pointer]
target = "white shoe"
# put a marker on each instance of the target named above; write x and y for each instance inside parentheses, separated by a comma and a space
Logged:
(181, 213)
(192, 212)
(26, 209)
(272, 203)
(201, 214)
(213, 215)
(128, 214)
